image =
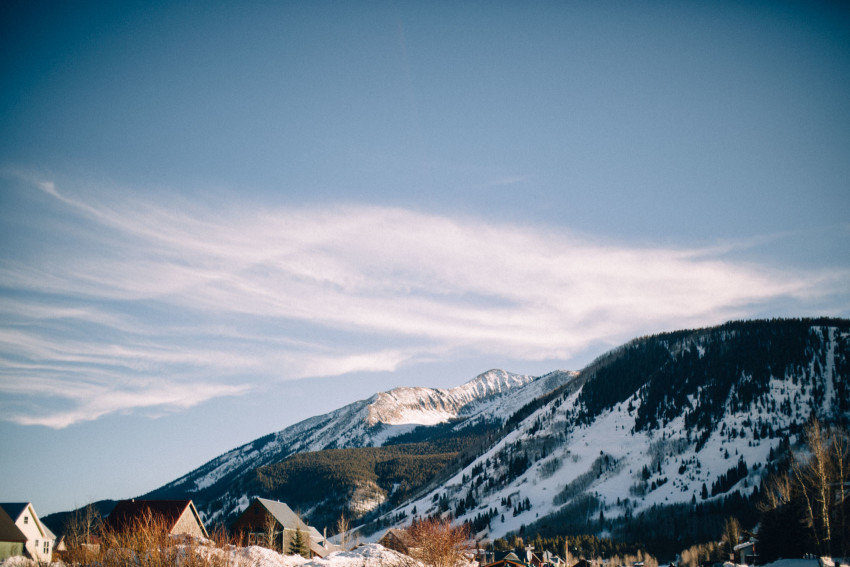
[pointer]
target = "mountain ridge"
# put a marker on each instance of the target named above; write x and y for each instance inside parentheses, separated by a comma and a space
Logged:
(429, 406)
(214, 484)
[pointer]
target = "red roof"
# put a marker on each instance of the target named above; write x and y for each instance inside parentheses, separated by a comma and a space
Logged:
(128, 513)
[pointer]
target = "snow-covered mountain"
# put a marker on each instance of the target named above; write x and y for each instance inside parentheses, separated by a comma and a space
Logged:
(221, 488)
(428, 406)
(658, 440)
(661, 438)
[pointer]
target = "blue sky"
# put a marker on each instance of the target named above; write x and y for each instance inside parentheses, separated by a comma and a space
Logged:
(217, 220)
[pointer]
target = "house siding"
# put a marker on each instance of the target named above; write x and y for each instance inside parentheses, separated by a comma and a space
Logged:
(187, 524)
(40, 539)
(253, 521)
(10, 549)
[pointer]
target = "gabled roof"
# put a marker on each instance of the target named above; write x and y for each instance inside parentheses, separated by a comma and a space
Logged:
(401, 536)
(127, 512)
(8, 530)
(284, 514)
(16, 510)
(509, 560)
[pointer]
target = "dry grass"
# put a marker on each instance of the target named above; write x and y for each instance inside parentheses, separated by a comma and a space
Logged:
(147, 544)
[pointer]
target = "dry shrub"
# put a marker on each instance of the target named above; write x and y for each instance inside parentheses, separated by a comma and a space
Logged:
(147, 543)
(437, 543)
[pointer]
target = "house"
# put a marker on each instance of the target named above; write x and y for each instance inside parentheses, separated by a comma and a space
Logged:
(397, 540)
(532, 558)
(551, 559)
(273, 524)
(12, 539)
(179, 516)
(745, 552)
(39, 539)
(508, 560)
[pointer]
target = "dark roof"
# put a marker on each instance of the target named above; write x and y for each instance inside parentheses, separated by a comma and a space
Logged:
(128, 512)
(8, 530)
(508, 559)
(14, 509)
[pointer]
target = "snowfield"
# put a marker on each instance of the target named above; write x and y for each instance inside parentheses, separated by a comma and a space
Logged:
(369, 555)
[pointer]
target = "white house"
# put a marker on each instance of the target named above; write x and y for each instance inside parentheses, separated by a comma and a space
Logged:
(40, 540)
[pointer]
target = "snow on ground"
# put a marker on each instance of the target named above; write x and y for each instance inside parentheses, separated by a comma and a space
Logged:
(794, 563)
(369, 555)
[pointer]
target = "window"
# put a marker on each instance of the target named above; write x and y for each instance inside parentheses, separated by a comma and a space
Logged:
(46, 547)
(26, 519)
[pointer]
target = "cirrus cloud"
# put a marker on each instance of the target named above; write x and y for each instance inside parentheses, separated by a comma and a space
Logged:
(154, 303)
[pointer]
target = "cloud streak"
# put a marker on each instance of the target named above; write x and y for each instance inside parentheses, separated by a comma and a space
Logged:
(153, 303)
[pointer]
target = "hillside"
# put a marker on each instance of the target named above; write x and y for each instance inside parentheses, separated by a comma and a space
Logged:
(661, 439)
(327, 482)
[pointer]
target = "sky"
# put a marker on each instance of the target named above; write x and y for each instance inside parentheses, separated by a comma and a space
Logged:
(219, 219)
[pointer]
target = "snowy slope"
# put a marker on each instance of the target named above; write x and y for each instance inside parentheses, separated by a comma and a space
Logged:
(557, 461)
(428, 406)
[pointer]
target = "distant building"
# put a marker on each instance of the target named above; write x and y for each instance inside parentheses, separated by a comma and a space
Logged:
(552, 559)
(12, 539)
(180, 517)
(39, 539)
(745, 552)
(508, 560)
(397, 540)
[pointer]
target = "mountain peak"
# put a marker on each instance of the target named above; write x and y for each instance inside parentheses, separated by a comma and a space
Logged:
(429, 406)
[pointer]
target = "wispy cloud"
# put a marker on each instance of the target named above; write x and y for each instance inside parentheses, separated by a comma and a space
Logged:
(213, 299)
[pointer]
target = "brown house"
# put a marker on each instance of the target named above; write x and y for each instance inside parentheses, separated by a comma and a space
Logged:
(179, 516)
(397, 540)
(273, 524)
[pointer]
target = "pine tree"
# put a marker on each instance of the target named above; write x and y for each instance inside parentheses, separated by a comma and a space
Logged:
(298, 544)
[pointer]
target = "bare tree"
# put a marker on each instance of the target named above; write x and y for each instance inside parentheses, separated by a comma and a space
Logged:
(271, 531)
(814, 478)
(342, 526)
(80, 527)
(776, 492)
(840, 445)
(731, 534)
(437, 543)
(819, 466)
